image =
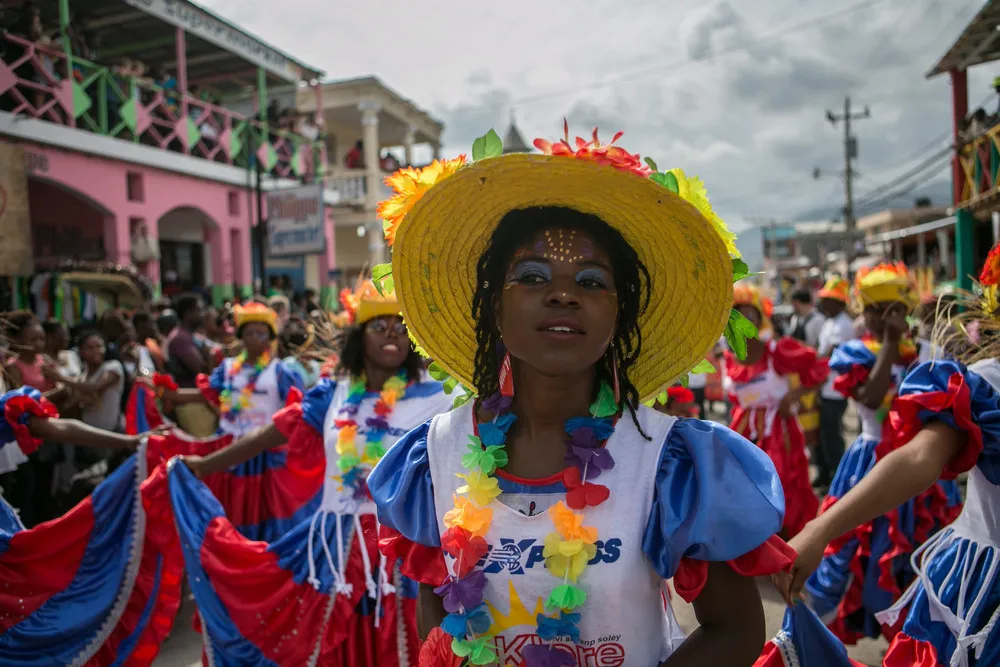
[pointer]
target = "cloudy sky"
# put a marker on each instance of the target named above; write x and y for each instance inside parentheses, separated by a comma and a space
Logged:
(732, 90)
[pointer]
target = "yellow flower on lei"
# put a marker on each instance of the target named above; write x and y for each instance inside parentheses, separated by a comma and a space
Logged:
(466, 515)
(480, 488)
(692, 189)
(410, 184)
(345, 439)
(569, 524)
(567, 558)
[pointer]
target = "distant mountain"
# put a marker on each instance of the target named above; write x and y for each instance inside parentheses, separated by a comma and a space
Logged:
(939, 192)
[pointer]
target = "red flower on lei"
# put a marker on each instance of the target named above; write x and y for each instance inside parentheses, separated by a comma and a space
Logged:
(990, 274)
(594, 151)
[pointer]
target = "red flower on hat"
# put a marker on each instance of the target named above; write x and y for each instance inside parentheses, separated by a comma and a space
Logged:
(990, 274)
(594, 151)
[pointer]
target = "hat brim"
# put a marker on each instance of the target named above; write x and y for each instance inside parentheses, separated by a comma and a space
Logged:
(831, 294)
(439, 243)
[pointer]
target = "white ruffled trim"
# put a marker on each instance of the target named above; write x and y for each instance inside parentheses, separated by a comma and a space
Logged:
(402, 648)
(327, 613)
(131, 571)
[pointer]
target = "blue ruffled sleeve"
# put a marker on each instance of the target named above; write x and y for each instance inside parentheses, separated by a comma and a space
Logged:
(316, 403)
(717, 497)
(217, 380)
(949, 392)
(288, 379)
(401, 486)
(850, 354)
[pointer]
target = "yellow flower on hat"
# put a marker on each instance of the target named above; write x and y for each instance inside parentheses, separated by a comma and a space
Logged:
(410, 184)
(466, 515)
(567, 558)
(480, 488)
(692, 189)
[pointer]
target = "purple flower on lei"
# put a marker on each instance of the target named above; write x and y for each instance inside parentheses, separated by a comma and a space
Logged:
(543, 655)
(497, 403)
(584, 451)
(464, 593)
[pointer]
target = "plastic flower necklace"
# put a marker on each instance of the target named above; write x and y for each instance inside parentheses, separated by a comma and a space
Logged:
(231, 408)
(567, 549)
(350, 460)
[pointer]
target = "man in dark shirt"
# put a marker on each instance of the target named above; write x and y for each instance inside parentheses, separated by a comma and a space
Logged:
(187, 357)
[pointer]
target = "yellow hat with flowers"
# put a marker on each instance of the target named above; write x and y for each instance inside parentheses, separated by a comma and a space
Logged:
(836, 288)
(885, 283)
(441, 217)
(365, 303)
(255, 312)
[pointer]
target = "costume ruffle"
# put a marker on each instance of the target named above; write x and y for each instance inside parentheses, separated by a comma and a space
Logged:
(716, 498)
(142, 413)
(18, 407)
(852, 362)
(290, 383)
(803, 641)
(99, 585)
(788, 356)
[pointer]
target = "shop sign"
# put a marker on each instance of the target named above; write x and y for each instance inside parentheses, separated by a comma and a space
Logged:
(295, 221)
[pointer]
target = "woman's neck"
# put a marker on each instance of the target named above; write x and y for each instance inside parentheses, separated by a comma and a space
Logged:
(27, 356)
(544, 403)
(93, 366)
(375, 378)
(252, 357)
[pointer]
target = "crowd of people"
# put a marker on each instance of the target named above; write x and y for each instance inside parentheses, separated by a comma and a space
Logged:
(515, 474)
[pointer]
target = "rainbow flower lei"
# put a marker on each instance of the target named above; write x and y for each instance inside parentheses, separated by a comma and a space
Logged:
(231, 408)
(567, 549)
(350, 460)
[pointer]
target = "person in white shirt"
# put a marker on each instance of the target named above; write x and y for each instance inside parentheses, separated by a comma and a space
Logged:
(806, 323)
(838, 328)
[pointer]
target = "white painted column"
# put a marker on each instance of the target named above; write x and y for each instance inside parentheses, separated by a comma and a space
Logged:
(369, 135)
(408, 140)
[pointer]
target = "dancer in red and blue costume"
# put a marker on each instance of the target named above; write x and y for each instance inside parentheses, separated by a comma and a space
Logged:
(865, 570)
(945, 421)
(320, 594)
(100, 585)
(268, 494)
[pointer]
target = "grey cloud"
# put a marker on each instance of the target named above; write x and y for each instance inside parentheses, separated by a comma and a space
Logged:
(720, 18)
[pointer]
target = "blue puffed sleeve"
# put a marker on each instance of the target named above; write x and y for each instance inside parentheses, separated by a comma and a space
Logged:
(949, 392)
(401, 486)
(217, 380)
(316, 403)
(849, 355)
(717, 497)
(288, 378)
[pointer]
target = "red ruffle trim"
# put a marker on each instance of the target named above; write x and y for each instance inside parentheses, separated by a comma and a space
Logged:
(18, 406)
(847, 382)
(205, 387)
(772, 556)
(160, 542)
(418, 562)
(154, 417)
(165, 381)
(905, 651)
(904, 422)
(436, 651)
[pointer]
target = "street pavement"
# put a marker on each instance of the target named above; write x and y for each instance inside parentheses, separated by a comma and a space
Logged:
(183, 648)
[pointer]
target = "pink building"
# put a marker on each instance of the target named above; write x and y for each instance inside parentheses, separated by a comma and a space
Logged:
(121, 110)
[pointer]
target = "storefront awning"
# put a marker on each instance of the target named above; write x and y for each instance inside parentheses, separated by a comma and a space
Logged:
(122, 292)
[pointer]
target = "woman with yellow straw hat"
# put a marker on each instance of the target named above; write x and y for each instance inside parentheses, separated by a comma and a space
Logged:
(866, 569)
(945, 421)
(766, 389)
(544, 518)
(320, 594)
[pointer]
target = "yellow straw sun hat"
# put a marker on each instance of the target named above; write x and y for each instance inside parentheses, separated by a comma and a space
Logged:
(441, 219)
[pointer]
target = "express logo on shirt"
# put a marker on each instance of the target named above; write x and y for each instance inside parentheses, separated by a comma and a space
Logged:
(516, 556)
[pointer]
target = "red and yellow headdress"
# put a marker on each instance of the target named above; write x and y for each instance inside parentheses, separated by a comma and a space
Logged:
(364, 303)
(748, 295)
(885, 283)
(837, 289)
(255, 312)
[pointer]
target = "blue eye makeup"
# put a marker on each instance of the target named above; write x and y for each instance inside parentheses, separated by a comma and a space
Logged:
(594, 278)
(530, 273)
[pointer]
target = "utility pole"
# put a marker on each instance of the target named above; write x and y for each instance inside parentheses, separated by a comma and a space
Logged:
(850, 154)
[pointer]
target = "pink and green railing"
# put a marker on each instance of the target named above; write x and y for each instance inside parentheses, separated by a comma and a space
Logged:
(96, 99)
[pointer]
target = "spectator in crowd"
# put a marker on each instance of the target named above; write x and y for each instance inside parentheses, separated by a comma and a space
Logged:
(806, 322)
(106, 379)
(57, 350)
(149, 337)
(187, 357)
(389, 163)
(166, 322)
(311, 304)
(838, 328)
(282, 308)
(355, 158)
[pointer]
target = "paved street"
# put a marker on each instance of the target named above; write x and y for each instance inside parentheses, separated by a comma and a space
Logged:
(183, 649)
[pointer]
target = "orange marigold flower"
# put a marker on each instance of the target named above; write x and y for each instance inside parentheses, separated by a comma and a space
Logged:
(409, 185)
(594, 151)
(990, 274)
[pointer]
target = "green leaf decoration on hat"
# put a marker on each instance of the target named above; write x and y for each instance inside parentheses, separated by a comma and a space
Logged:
(488, 145)
(382, 278)
(740, 269)
(566, 597)
(704, 366)
(684, 380)
(436, 372)
(605, 405)
(487, 460)
(667, 180)
(476, 650)
(660, 398)
(463, 398)
(738, 330)
(652, 165)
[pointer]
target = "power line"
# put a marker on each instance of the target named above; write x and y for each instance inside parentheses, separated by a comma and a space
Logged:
(927, 163)
(765, 39)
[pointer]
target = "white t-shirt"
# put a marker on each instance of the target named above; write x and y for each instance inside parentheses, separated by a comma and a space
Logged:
(107, 412)
(836, 331)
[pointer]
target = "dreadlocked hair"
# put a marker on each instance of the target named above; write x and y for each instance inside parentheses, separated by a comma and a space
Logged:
(631, 278)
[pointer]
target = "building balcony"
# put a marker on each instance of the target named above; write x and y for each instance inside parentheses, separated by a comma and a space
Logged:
(980, 162)
(96, 99)
(351, 186)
